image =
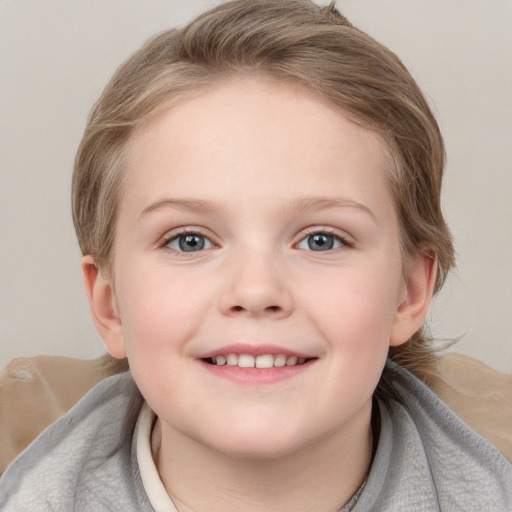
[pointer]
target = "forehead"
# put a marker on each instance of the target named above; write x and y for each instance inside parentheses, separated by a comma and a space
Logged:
(257, 138)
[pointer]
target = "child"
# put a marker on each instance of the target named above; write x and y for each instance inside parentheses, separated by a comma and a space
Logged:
(257, 198)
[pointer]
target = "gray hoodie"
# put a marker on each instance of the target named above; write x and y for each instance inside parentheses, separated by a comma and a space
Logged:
(426, 458)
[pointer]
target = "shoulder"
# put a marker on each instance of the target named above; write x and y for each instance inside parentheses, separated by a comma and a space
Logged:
(68, 462)
(428, 459)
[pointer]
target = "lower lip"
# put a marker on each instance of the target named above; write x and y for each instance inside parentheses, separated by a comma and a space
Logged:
(256, 376)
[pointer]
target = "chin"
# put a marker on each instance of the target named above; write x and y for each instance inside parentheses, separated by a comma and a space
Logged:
(258, 442)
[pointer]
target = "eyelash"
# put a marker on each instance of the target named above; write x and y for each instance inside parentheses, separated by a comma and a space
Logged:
(327, 231)
(164, 244)
(176, 235)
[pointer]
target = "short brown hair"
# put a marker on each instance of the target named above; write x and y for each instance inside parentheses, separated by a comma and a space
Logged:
(294, 41)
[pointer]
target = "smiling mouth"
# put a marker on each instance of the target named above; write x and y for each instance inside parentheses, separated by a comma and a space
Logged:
(260, 361)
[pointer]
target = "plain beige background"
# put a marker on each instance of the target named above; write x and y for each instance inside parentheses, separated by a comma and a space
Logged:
(56, 56)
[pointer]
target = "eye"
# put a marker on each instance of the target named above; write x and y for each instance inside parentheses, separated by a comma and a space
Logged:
(322, 241)
(189, 242)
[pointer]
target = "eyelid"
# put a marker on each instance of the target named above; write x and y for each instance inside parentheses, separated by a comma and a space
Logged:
(346, 240)
(183, 231)
(173, 234)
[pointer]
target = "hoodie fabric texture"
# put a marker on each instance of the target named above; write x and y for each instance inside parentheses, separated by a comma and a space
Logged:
(426, 460)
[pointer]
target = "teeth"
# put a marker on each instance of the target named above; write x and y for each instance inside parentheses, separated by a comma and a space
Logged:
(262, 361)
(246, 361)
(266, 361)
(232, 360)
(280, 360)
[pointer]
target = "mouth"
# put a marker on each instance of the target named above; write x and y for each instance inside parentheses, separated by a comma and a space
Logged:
(260, 361)
(256, 364)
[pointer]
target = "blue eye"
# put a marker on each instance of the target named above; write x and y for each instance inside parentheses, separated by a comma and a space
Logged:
(189, 242)
(321, 242)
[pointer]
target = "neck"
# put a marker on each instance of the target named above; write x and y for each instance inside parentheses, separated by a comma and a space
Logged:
(322, 476)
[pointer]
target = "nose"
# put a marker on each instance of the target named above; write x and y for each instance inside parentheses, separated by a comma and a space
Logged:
(256, 286)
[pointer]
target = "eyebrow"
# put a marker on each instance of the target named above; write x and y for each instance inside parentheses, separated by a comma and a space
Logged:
(323, 203)
(306, 204)
(190, 205)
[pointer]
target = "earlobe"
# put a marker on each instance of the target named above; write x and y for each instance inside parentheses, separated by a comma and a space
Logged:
(103, 308)
(412, 310)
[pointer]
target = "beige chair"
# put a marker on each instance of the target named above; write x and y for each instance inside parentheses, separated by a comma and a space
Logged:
(479, 395)
(35, 391)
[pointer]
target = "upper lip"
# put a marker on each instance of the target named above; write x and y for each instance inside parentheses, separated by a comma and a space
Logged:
(253, 350)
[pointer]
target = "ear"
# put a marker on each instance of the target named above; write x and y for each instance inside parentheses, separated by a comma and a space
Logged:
(413, 307)
(103, 306)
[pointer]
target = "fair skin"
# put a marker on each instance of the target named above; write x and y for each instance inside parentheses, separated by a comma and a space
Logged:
(257, 221)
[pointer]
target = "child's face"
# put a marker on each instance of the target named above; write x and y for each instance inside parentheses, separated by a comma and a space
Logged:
(256, 221)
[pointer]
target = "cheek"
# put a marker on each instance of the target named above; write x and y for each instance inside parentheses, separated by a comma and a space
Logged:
(158, 312)
(355, 320)
(354, 312)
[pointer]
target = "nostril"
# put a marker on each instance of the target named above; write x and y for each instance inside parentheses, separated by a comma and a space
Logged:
(256, 309)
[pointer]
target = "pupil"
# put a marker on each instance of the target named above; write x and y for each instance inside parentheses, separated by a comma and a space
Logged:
(320, 242)
(189, 243)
